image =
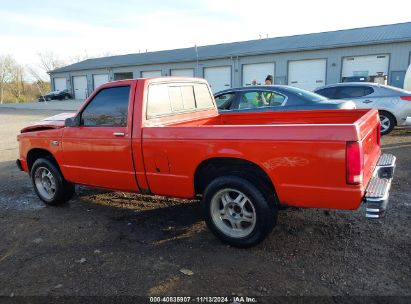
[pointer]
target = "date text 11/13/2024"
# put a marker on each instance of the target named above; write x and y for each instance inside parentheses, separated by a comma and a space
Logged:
(203, 299)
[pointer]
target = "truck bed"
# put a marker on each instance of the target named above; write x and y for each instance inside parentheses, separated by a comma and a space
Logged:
(301, 151)
(349, 122)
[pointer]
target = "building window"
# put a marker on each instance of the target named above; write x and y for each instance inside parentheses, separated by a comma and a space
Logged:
(125, 75)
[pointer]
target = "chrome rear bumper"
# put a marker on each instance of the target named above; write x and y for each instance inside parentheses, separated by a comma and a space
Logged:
(378, 188)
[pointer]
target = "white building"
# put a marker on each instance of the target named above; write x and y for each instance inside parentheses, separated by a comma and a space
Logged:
(306, 61)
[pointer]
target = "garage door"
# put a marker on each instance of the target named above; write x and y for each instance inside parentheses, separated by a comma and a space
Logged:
(257, 72)
(99, 79)
(182, 72)
(365, 65)
(80, 87)
(307, 74)
(219, 78)
(149, 74)
(60, 83)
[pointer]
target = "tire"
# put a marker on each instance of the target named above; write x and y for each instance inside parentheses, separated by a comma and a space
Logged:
(387, 121)
(66, 97)
(49, 184)
(48, 98)
(237, 212)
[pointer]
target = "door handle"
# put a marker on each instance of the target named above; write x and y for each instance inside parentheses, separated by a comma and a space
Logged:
(367, 101)
(118, 134)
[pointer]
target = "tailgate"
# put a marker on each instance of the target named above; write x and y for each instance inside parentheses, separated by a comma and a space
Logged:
(369, 132)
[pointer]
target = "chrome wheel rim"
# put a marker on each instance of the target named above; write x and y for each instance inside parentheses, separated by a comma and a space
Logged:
(233, 213)
(385, 123)
(45, 183)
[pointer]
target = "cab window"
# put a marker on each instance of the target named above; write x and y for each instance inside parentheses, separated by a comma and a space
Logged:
(166, 99)
(108, 108)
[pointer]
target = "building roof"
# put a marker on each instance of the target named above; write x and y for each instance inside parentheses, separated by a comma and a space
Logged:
(343, 38)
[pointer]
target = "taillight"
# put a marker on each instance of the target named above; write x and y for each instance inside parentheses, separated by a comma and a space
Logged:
(407, 98)
(354, 163)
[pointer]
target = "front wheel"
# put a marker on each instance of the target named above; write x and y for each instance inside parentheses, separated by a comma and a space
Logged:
(237, 212)
(49, 184)
(387, 121)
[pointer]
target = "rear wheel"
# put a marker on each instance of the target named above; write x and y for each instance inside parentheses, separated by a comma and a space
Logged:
(49, 184)
(48, 98)
(387, 121)
(237, 212)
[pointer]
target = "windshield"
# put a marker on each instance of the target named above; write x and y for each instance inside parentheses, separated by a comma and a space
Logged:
(307, 94)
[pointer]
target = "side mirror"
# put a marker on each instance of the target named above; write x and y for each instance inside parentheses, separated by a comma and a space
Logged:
(72, 122)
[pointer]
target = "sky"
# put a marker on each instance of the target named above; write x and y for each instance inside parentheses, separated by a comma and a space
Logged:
(100, 27)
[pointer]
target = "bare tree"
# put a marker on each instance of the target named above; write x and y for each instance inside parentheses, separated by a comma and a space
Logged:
(16, 85)
(6, 63)
(50, 61)
(79, 57)
(34, 73)
(85, 55)
(41, 83)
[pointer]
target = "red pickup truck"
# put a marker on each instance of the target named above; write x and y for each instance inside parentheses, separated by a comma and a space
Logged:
(164, 136)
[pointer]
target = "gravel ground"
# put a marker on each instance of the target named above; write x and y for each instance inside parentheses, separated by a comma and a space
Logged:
(120, 244)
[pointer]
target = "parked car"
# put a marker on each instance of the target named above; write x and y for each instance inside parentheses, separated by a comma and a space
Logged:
(59, 94)
(407, 79)
(356, 79)
(393, 104)
(274, 98)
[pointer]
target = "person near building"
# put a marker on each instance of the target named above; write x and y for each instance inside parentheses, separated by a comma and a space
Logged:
(269, 80)
(268, 95)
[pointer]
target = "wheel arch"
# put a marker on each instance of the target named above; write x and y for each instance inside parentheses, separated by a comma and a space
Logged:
(36, 153)
(219, 166)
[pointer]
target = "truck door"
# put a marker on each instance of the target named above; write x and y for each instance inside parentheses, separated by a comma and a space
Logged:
(97, 151)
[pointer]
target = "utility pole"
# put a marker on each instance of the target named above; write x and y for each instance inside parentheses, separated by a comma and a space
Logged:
(195, 47)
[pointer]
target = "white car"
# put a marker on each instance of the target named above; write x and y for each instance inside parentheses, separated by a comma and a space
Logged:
(407, 79)
(393, 104)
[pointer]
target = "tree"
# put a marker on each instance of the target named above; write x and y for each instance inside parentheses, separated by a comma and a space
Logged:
(6, 63)
(16, 85)
(50, 61)
(42, 83)
(85, 55)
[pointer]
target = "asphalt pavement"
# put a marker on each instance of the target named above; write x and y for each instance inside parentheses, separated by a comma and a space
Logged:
(54, 105)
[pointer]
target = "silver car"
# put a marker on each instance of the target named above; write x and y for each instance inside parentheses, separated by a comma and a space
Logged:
(393, 104)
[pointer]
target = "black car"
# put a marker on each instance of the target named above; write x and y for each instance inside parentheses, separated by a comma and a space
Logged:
(60, 95)
(356, 79)
(275, 98)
